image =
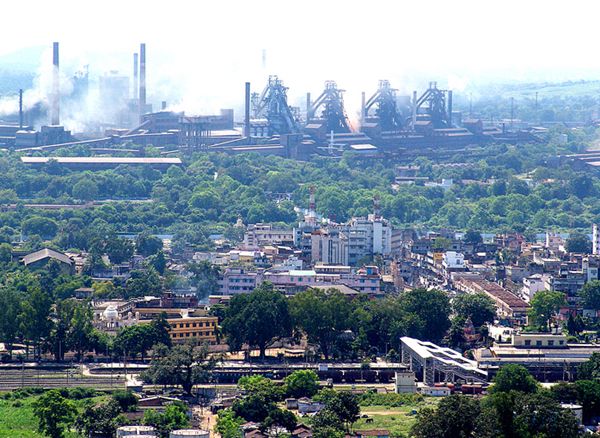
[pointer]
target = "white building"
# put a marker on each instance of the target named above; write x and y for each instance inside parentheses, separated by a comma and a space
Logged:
(532, 285)
(258, 235)
(453, 261)
(595, 240)
(347, 244)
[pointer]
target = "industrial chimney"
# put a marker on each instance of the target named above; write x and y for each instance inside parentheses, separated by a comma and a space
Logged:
(247, 112)
(135, 76)
(55, 98)
(142, 79)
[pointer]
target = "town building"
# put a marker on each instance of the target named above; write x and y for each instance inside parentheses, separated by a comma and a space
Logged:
(259, 235)
(509, 307)
(548, 356)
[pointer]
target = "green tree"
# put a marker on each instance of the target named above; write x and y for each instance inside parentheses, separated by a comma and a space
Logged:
(147, 245)
(266, 388)
(118, 250)
(455, 417)
(322, 316)
(479, 307)
(126, 399)
(143, 282)
(81, 329)
(302, 383)
(473, 237)
(10, 307)
(544, 306)
(185, 365)
(99, 419)
(257, 319)
(5, 253)
(253, 407)
(205, 277)
(431, 308)
(34, 318)
(42, 226)
(55, 413)
(158, 261)
(578, 243)
(85, 190)
(583, 392)
(590, 295)
(327, 424)
(174, 417)
(138, 339)
(279, 418)
(590, 369)
(228, 424)
(343, 404)
(512, 377)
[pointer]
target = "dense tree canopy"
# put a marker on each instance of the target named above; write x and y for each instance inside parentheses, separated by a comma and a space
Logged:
(257, 318)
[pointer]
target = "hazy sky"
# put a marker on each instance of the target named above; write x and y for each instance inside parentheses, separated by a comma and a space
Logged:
(203, 51)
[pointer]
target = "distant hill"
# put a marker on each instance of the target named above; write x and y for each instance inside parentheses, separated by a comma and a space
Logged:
(17, 69)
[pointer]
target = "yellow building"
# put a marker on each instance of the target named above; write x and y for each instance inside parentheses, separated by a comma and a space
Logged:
(200, 329)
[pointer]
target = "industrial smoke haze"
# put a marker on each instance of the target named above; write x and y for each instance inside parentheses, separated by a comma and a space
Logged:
(199, 62)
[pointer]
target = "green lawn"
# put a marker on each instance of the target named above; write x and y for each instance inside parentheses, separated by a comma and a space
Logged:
(398, 420)
(17, 419)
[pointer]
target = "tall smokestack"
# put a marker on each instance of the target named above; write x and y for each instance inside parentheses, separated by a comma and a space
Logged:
(142, 79)
(312, 207)
(55, 99)
(247, 112)
(21, 108)
(135, 76)
(308, 104)
(450, 109)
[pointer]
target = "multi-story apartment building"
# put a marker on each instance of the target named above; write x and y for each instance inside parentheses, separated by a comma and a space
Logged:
(200, 329)
(258, 235)
(239, 280)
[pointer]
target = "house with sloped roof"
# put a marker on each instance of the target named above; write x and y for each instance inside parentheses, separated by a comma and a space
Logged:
(40, 259)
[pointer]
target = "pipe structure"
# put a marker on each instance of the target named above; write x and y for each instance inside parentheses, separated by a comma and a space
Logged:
(142, 79)
(247, 111)
(55, 99)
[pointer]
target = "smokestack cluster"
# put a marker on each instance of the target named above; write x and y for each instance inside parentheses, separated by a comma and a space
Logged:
(247, 112)
(55, 98)
(142, 79)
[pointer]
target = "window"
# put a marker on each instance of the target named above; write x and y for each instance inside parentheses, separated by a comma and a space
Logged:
(550, 343)
(187, 325)
(187, 335)
(527, 342)
(561, 342)
(538, 343)
(194, 325)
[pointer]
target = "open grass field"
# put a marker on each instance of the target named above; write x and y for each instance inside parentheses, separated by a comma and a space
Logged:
(18, 421)
(398, 420)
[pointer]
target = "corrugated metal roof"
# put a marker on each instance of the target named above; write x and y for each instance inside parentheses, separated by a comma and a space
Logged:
(46, 253)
